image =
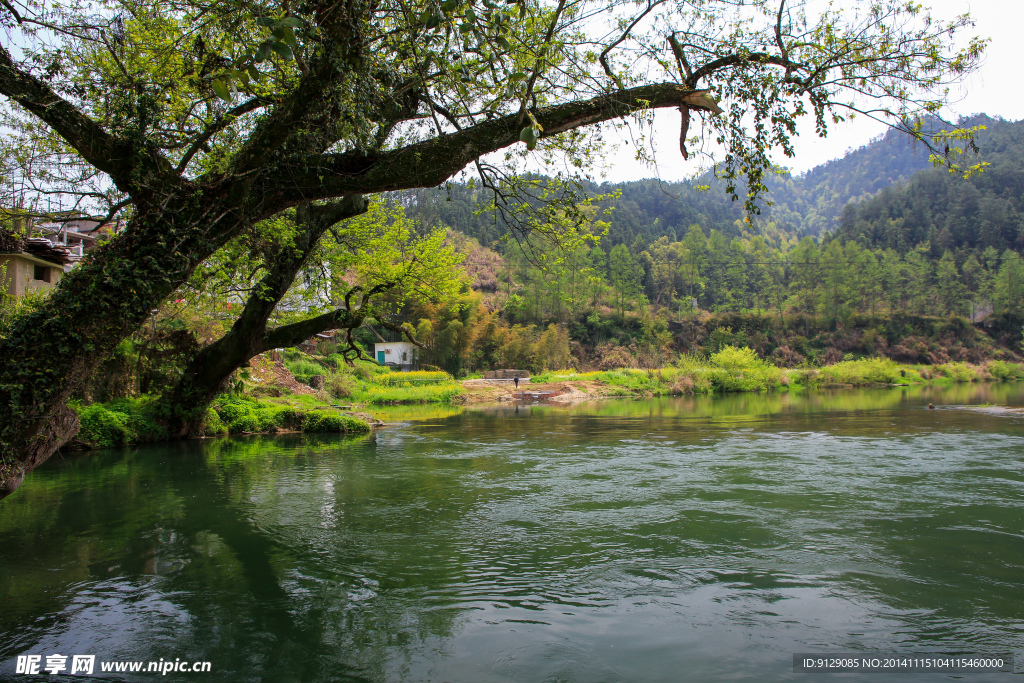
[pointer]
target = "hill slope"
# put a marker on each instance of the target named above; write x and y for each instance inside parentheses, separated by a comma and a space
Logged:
(810, 204)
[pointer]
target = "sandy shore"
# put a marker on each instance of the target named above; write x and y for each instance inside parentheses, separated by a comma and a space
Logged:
(498, 391)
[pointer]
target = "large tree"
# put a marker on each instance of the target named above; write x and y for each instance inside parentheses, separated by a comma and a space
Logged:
(194, 119)
(357, 261)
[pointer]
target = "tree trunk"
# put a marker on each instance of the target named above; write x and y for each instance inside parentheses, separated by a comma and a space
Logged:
(206, 374)
(48, 353)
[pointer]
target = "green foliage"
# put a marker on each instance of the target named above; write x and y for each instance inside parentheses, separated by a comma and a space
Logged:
(340, 386)
(243, 414)
(957, 372)
(863, 372)
(332, 421)
(740, 369)
(732, 358)
(102, 428)
(213, 424)
(1005, 370)
(304, 369)
(120, 423)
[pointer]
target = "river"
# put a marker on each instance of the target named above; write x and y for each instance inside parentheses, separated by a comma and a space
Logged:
(704, 539)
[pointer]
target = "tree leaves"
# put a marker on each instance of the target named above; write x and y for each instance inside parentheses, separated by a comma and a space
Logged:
(221, 89)
(283, 42)
(285, 51)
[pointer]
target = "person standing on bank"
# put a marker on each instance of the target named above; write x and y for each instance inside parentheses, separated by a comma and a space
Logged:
(516, 380)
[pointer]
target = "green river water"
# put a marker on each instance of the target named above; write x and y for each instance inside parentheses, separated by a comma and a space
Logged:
(703, 539)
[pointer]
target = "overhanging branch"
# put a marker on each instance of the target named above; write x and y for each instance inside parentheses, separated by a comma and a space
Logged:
(429, 163)
(115, 157)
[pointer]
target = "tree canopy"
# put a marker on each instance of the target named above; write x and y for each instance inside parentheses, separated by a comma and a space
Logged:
(195, 119)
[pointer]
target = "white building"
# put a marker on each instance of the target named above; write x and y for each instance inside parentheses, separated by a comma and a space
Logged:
(401, 354)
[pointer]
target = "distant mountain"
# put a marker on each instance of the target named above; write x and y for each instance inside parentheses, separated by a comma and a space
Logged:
(947, 212)
(808, 204)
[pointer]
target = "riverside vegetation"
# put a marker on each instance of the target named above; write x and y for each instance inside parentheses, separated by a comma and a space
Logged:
(259, 406)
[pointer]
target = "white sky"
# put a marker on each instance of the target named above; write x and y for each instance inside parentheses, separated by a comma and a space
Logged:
(994, 89)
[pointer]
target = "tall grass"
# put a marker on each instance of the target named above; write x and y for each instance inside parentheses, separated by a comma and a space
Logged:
(392, 395)
(864, 372)
(741, 370)
(408, 378)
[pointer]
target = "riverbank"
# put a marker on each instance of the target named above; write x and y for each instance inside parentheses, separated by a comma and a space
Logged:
(138, 420)
(733, 371)
(276, 401)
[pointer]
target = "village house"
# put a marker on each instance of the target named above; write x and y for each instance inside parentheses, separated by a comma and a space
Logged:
(29, 266)
(400, 355)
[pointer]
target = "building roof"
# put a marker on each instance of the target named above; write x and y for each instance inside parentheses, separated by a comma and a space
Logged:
(41, 249)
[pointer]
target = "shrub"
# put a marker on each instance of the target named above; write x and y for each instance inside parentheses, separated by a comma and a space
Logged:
(142, 416)
(102, 428)
(830, 356)
(243, 414)
(861, 372)
(213, 424)
(119, 423)
(732, 358)
(340, 386)
(331, 421)
(617, 357)
(958, 372)
(238, 414)
(1001, 369)
(786, 357)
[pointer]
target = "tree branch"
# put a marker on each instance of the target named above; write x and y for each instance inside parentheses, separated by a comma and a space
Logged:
(222, 122)
(115, 157)
(429, 163)
(298, 332)
(603, 58)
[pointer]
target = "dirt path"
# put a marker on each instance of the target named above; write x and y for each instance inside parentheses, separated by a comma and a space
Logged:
(496, 391)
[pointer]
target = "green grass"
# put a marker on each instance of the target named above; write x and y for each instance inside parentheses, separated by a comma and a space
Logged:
(379, 394)
(138, 420)
(373, 384)
(866, 371)
(412, 378)
(741, 370)
(305, 413)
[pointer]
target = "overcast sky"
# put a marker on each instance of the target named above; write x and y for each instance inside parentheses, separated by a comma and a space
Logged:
(995, 90)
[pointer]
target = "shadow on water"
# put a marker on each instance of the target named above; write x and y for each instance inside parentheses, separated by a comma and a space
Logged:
(616, 540)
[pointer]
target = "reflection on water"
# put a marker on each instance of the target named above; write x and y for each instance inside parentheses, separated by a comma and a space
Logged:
(670, 539)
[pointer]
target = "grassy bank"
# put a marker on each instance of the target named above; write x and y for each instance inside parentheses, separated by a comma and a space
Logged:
(130, 421)
(266, 406)
(741, 370)
(371, 384)
(275, 409)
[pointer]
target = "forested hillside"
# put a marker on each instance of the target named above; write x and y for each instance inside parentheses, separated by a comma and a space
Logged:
(986, 212)
(645, 210)
(928, 249)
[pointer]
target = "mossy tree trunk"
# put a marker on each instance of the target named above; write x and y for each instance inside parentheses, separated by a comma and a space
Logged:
(206, 374)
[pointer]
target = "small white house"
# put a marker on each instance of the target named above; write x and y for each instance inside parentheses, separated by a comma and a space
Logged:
(401, 354)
